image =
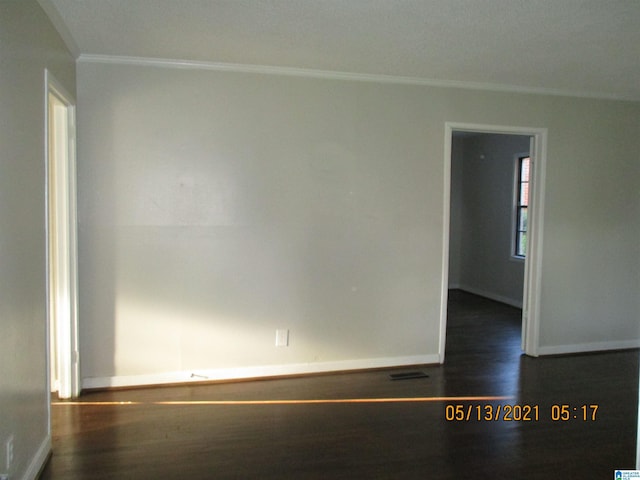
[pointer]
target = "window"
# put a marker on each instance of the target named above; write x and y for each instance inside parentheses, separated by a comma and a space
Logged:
(522, 204)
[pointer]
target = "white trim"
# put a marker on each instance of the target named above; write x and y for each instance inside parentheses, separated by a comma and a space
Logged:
(492, 296)
(60, 26)
(589, 347)
(535, 233)
(533, 261)
(239, 373)
(39, 460)
(446, 225)
(67, 333)
(336, 75)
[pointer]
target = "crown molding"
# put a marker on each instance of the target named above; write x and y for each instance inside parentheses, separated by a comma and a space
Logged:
(348, 76)
(58, 23)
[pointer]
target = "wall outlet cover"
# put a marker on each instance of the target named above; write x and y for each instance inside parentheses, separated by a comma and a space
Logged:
(282, 337)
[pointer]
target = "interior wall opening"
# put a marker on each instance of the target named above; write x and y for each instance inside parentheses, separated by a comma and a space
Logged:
(488, 222)
(63, 361)
(492, 237)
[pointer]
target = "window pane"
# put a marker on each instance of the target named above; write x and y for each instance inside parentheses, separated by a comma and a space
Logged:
(524, 194)
(522, 243)
(524, 170)
(522, 224)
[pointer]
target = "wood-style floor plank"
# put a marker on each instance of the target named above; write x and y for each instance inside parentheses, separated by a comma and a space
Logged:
(390, 440)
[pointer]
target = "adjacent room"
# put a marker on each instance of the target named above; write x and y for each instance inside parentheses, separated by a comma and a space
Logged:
(289, 239)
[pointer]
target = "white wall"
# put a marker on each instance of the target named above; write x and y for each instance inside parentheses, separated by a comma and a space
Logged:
(216, 207)
(483, 172)
(28, 45)
(456, 212)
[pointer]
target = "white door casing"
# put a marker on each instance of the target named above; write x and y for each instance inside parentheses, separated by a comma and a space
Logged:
(62, 284)
(533, 259)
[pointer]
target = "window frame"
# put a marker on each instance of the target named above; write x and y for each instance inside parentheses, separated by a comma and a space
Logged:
(518, 207)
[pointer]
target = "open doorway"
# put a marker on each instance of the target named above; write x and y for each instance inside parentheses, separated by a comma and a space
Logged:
(524, 294)
(63, 361)
(488, 215)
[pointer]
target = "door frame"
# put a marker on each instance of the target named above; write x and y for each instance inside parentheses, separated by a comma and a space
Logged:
(533, 258)
(61, 239)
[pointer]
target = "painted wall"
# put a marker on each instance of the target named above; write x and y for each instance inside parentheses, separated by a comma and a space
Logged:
(216, 207)
(483, 172)
(456, 212)
(28, 45)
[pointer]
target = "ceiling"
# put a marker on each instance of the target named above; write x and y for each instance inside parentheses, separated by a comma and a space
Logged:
(576, 47)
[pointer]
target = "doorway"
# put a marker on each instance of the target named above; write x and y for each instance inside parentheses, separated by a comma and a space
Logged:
(62, 284)
(532, 259)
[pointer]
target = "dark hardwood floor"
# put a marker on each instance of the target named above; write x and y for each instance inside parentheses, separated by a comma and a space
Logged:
(383, 440)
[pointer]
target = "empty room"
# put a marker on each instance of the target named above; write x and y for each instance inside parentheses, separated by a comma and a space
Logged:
(319, 239)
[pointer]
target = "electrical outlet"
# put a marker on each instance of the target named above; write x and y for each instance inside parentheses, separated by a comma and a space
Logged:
(282, 337)
(9, 450)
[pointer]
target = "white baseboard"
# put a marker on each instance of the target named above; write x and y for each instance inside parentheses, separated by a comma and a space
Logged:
(265, 371)
(39, 459)
(517, 303)
(589, 347)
